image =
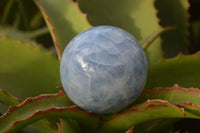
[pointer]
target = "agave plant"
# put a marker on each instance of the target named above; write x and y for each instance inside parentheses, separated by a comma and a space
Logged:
(31, 95)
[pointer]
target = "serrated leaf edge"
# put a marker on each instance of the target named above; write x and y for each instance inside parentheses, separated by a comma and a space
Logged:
(29, 43)
(51, 29)
(29, 100)
(84, 13)
(53, 109)
(19, 101)
(189, 105)
(180, 54)
(150, 106)
(155, 106)
(174, 87)
(39, 112)
(187, 23)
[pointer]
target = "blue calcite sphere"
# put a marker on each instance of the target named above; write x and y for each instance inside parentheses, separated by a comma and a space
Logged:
(103, 69)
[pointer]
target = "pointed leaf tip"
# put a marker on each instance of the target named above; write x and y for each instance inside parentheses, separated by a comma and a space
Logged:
(191, 109)
(130, 130)
(68, 126)
(8, 99)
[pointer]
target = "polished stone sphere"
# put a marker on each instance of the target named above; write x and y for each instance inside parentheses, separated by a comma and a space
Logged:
(103, 69)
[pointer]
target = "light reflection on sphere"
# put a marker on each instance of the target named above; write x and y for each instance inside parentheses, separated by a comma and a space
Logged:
(103, 69)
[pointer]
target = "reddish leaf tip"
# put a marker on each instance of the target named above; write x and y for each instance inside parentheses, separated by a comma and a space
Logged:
(30, 43)
(179, 54)
(59, 127)
(10, 95)
(162, 58)
(60, 87)
(198, 52)
(6, 35)
(176, 86)
(14, 123)
(131, 130)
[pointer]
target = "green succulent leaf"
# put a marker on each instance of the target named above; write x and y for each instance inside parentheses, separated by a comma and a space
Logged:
(164, 126)
(135, 16)
(64, 20)
(156, 126)
(30, 129)
(150, 110)
(44, 106)
(183, 70)
(41, 125)
(189, 107)
(174, 94)
(174, 13)
(7, 99)
(68, 126)
(27, 70)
